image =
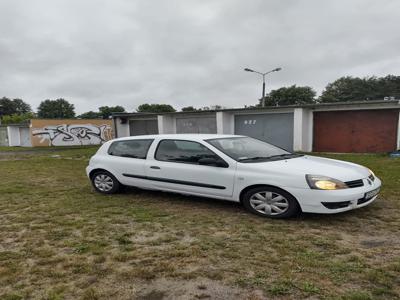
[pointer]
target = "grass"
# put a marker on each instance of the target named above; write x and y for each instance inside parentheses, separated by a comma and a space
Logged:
(60, 240)
(47, 149)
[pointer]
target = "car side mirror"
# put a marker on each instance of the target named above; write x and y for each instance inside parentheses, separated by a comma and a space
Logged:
(207, 161)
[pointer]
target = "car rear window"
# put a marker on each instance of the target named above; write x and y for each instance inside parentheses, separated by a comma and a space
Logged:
(130, 148)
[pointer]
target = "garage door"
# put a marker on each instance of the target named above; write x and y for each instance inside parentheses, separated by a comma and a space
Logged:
(355, 131)
(196, 125)
(142, 127)
(276, 129)
(25, 137)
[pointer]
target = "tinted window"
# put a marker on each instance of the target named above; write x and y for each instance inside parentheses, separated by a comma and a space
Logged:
(132, 148)
(183, 151)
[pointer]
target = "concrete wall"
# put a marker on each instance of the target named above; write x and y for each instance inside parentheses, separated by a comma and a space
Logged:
(398, 133)
(70, 132)
(3, 136)
(14, 138)
(166, 124)
(303, 129)
(225, 122)
(121, 127)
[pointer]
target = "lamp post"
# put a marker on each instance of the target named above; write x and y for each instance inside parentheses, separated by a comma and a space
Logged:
(263, 75)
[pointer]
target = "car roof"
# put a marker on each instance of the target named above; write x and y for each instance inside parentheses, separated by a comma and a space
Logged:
(183, 136)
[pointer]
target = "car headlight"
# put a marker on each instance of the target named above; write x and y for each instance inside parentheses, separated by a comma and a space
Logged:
(319, 182)
(371, 173)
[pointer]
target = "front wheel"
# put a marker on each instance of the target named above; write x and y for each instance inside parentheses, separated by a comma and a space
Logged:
(105, 183)
(270, 202)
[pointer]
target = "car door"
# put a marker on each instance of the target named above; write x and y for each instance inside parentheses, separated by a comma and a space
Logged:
(127, 157)
(175, 166)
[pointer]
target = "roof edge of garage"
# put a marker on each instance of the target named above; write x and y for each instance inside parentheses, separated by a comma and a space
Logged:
(391, 103)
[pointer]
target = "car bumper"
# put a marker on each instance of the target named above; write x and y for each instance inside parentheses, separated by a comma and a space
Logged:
(88, 170)
(330, 202)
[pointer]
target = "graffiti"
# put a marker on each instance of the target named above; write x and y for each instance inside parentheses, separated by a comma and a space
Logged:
(73, 134)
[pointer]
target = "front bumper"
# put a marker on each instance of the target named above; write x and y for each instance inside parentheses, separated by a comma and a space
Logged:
(330, 202)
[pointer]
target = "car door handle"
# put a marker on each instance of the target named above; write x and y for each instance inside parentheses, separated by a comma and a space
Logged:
(155, 167)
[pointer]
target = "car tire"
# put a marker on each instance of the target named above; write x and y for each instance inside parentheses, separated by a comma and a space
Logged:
(270, 202)
(105, 183)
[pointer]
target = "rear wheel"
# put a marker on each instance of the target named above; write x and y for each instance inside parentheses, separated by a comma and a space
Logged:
(105, 183)
(270, 202)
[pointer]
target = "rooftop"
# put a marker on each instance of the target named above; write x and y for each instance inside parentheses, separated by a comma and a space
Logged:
(310, 106)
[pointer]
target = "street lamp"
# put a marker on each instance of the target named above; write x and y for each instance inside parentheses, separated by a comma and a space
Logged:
(263, 75)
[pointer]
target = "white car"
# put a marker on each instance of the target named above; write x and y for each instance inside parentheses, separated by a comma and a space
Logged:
(266, 179)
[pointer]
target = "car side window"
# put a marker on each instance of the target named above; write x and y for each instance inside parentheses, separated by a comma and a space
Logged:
(183, 152)
(130, 148)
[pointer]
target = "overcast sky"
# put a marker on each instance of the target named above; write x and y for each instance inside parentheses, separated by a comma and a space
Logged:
(128, 52)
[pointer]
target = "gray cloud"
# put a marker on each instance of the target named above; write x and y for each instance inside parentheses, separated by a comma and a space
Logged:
(188, 52)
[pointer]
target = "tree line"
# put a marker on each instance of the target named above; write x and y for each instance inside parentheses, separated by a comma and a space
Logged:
(344, 89)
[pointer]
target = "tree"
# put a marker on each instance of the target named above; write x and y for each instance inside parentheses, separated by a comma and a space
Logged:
(11, 107)
(21, 107)
(292, 95)
(90, 115)
(56, 109)
(389, 86)
(188, 108)
(155, 108)
(356, 89)
(106, 111)
(17, 118)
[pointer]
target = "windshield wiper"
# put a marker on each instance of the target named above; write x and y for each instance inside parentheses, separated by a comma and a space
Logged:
(286, 155)
(254, 158)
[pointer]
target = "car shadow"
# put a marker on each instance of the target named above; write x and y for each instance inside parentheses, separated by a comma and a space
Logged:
(236, 207)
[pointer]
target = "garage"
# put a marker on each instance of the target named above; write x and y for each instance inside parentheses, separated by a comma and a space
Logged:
(359, 131)
(3, 136)
(194, 124)
(275, 128)
(143, 127)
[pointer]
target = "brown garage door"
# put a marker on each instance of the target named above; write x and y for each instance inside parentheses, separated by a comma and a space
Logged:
(356, 131)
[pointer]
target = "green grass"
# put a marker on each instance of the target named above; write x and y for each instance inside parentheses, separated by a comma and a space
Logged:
(61, 240)
(40, 149)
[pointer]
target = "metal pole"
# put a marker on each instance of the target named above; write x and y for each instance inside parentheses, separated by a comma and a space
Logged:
(263, 92)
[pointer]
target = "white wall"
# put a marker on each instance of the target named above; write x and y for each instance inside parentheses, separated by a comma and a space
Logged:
(122, 130)
(398, 133)
(14, 138)
(302, 130)
(225, 122)
(166, 124)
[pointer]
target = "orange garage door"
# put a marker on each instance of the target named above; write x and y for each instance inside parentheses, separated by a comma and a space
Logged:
(356, 131)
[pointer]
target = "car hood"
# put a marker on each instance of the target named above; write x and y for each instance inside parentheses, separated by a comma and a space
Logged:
(342, 170)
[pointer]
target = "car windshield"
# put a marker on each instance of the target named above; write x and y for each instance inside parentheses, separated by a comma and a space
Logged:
(246, 149)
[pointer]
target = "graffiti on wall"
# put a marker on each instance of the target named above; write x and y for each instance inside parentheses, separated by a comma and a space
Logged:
(73, 134)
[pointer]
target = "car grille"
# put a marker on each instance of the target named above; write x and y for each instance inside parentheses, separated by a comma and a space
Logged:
(336, 205)
(355, 183)
(362, 200)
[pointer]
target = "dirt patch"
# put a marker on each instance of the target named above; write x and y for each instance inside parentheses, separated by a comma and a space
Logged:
(166, 289)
